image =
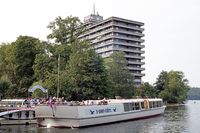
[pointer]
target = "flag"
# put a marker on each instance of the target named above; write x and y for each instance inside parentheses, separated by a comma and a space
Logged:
(51, 102)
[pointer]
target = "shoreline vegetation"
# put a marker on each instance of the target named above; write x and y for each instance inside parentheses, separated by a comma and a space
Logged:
(174, 104)
(83, 74)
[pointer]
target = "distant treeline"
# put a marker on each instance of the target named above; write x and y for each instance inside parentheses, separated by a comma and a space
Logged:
(194, 94)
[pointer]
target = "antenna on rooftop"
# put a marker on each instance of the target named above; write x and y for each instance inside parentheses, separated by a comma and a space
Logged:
(94, 8)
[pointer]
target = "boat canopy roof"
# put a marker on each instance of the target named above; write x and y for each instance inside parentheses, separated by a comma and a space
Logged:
(132, 100)
(13, 100)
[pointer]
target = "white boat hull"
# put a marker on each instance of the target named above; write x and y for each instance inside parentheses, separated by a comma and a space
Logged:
(62, 120)
(4, 121)
(17, 117)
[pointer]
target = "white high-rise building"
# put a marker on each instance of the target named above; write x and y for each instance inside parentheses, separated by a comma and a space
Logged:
(117, 34)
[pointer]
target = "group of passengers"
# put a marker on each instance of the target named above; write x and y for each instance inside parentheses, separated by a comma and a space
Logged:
(59, 101)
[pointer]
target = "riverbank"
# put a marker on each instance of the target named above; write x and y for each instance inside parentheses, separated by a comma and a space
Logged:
(174, 104)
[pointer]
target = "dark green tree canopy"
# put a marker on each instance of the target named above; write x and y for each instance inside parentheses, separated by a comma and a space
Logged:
(24, 53)
(86, 75)
(174, 86)
(161, 82)
(65, 31)
(122, 82)
(146, 90)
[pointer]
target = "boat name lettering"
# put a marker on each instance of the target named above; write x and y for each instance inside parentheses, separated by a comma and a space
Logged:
(101, 111)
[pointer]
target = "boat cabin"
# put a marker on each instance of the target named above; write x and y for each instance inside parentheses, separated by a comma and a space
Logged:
(13, 103)
(141, 104)
(18, 114)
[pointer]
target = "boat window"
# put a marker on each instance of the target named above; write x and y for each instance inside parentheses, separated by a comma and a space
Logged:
(137, 106)
(142, 105)
(159, 104)
(150, 105)
(10, 115)
(126, 107)
(154, 104)
(33, 114)
(27, 114)
(19, 115)
(132, 106)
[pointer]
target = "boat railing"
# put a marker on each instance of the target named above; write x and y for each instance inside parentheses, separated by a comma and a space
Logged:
(146, 102)
(16, 103)
(77, 103)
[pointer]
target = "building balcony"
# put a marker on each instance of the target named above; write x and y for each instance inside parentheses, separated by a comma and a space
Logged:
(136, 62)
(104, 50)
(111, 42)
(100, 34)
(134, 57)
(128, 44)
(128, 50)
(128, 38)
(127, 26)
(103, 44)
(136, 68)
(102, 38)
(128, 32)
(99, 28)
(138, 74)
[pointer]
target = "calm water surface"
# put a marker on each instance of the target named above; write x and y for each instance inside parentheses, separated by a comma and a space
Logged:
(177, 119)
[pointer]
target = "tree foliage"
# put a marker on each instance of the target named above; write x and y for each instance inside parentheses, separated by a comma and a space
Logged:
(146, 90)
(4, 86)
(24, 53)
(122, 82)
(7, 61)
(161, 82)
(66, 30)
(86, 75)
(174, 87)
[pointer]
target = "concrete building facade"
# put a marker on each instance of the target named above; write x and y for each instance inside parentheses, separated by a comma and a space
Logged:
(117, 34)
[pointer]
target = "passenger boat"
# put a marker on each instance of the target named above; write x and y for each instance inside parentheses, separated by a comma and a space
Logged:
(97, 112)
(13, 104)
(16, 111)
(18, 117)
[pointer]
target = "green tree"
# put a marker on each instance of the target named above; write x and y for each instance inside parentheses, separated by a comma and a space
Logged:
(145, 90)
(7, 71)
(24, 53)
(122, 82)
(66, 30)
(176, 87)
(4, 86)
(3, 62)
(44, 62)
(161, 82)
(7, 61)
(86, 75)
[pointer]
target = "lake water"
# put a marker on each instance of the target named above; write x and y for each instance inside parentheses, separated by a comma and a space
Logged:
(176, 119)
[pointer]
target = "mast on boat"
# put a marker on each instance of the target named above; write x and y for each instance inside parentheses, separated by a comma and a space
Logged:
(58, 84)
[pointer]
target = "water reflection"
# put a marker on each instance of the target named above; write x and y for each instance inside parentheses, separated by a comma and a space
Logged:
(177, 119)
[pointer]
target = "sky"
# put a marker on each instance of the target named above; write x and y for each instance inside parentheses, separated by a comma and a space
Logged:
(172, 27)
